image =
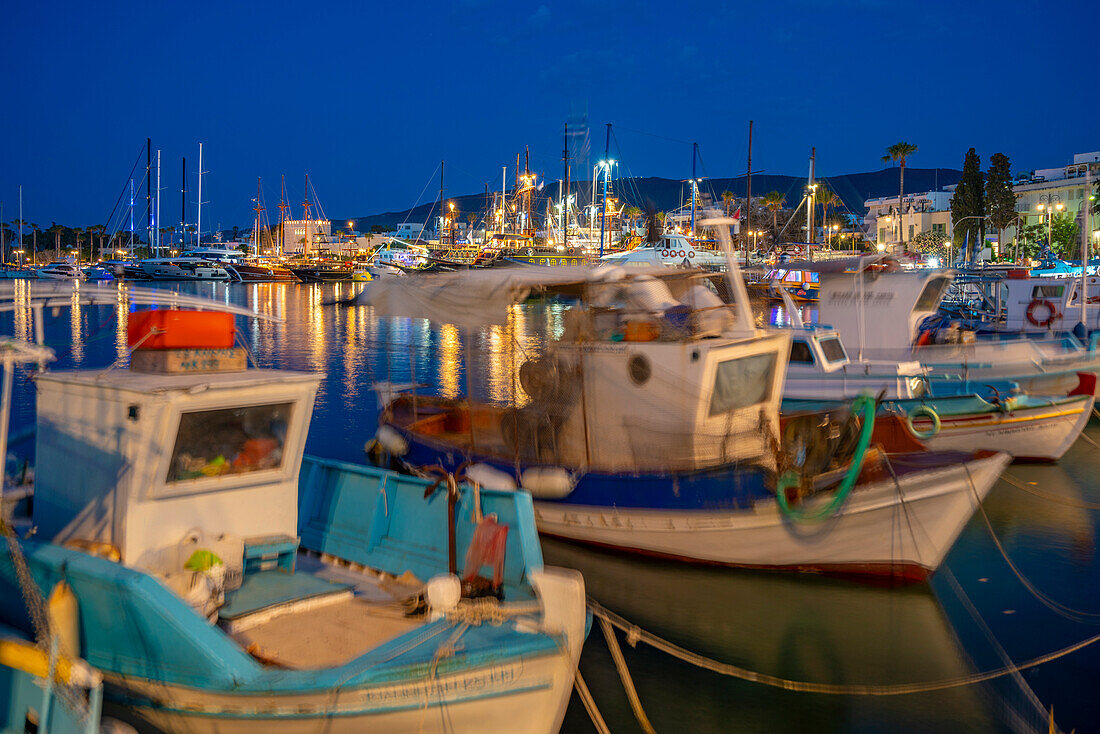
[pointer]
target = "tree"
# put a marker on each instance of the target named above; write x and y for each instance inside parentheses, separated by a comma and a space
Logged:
(899, 153)
(968, 204)
(826, 197)
(1000, 201)
(931, 244)
(774, 200)
(727, 199)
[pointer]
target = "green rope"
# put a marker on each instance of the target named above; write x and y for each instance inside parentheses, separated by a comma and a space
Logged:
(867, 404)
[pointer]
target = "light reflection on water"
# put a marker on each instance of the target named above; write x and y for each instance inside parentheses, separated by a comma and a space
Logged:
(798, 627)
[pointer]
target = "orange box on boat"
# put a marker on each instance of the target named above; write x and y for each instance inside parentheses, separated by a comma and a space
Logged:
(175, 329)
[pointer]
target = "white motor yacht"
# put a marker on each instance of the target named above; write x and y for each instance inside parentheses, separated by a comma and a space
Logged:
(183, 268)
(61, 270)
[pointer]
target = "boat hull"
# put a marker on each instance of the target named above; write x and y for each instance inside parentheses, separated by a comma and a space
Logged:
(1037, 434)
(526, 695)
(902, 529)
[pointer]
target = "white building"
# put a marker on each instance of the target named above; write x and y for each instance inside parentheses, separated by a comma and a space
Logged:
(295, 238)
(929, 211)
(1064, 189)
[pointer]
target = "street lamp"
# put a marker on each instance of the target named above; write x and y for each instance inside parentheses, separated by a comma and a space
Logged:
(1049, 209)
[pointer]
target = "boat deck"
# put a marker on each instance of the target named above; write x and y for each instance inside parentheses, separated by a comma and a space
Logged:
(321, 616)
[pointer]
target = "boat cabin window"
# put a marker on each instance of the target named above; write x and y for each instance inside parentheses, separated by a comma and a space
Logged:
(801, 353)
(229, 441)
(795, 276)
(929, 298)
(740, 383)
(1048, 291)
(833, 349)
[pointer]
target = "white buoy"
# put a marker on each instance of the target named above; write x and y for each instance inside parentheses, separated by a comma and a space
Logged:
(392, 441)
(547, 482)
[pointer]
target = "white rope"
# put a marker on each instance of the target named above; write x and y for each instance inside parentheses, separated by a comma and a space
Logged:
(624, 676)
(590, 704)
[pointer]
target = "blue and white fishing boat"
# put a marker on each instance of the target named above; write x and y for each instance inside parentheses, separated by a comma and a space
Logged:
(651, 424)
(173, 507)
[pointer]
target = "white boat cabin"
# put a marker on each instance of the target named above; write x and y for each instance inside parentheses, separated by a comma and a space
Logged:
(672, 250)
(139, 463)
(1048, 304)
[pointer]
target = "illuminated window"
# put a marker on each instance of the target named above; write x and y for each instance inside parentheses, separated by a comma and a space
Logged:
(212, 443)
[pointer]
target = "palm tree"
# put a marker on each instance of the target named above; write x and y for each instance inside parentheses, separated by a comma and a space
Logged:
(727, 200)
(899, 153)
(826, 197)
(774, 201)
(632, 213)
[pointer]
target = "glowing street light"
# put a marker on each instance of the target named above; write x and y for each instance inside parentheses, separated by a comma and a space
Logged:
(1050, 209)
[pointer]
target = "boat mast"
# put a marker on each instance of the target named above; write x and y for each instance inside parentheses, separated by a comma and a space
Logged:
(158, 206)
(606, 175)
(748, 195)
(198, 219)
(810, 207)
(148, 193)
(282, 215)
(305, 208)
(565, 191)
(503, 198)
(529, 188)
(256, 228)
(442, 207)
(21, 223)
(131, 217)
(694, 150)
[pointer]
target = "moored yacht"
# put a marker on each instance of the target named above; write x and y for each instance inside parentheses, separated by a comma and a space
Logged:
(61, 270)
(183, 268)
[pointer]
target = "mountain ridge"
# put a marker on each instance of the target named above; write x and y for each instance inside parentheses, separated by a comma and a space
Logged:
(852, 189)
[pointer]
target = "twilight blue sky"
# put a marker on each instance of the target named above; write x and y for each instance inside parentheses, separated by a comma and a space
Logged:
(367, 96)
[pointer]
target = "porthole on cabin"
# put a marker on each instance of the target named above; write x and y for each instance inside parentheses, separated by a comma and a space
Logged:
(640, 369)
(740, 383)
(229, 441)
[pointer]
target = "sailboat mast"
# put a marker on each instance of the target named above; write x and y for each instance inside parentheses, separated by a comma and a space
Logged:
(305, 207)
(282, 214)
(748, 193)
(606, 175)
(442, 206)
(565, 192)
(198, 219)
(810, 204)
(158, 205)
(694, 187)
(256, 227)
(148, 192)
(131, 217)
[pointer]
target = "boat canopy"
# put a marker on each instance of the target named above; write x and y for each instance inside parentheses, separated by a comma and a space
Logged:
(476, 298)
(880, 262)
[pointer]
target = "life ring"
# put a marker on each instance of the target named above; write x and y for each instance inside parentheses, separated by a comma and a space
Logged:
(571, 250)
(691, 253)
(664, 253)
(682, 254)
(928, 412)
(1050, 305)
(530, 251)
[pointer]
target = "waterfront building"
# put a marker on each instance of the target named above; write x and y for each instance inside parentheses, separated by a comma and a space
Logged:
(929, 211)
(1065, 188)
(295, 233)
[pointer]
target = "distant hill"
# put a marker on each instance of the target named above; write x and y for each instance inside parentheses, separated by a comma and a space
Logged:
(852, 188)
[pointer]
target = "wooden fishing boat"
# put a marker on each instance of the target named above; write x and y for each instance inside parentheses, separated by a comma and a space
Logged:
(193, 595)
(652, 425)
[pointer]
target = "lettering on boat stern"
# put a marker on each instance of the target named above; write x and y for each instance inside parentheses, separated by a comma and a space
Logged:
(494, 679)
(870, 298)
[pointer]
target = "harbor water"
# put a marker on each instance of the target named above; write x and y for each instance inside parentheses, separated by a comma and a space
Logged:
(1022, 581)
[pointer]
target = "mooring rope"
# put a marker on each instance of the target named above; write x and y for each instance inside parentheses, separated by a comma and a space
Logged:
(1083, 504)
(635, 633)
(1057, 607)
(624, 676)
(590, 704)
